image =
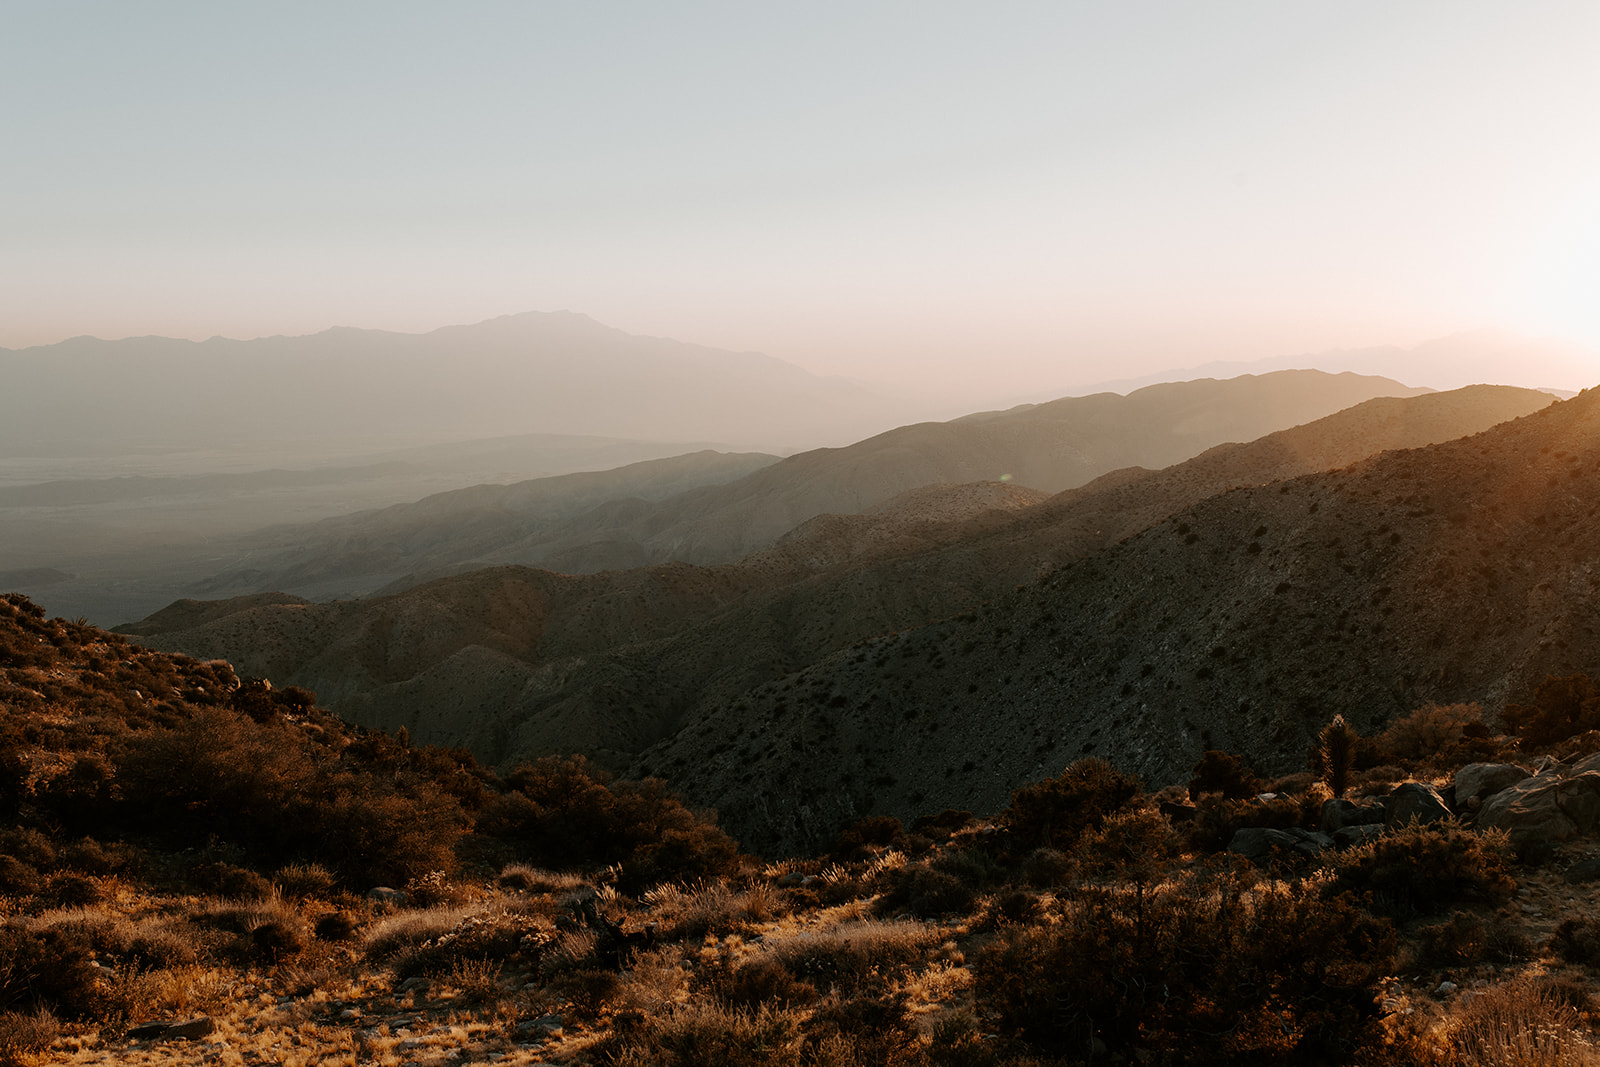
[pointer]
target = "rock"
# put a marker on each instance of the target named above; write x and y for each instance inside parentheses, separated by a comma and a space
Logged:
(1480, 780)
(1415, 801)
(1583, 871)
(1359, 834)
(1446, 988)
(544, 1026)
(1259, 844)
(385, 895)
(349, 1015)
(1545, 809)
(793, 878)
(1339, 813)
(1178, 813)
(183, 1030)
(414, 983)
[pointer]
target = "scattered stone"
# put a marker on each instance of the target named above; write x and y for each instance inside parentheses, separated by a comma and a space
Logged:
(1360, 834)
(544, 1026)
(385, 895)
(413, 984)
(1583, 871)
(1259, 844)
(183, 1030)
(1415, 801)
(1446, 988)
(1482, 780)
(793, 878)
(1339, 813)
(349, 1015)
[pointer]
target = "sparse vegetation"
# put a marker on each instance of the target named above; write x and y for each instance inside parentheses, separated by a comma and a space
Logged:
(560, 915)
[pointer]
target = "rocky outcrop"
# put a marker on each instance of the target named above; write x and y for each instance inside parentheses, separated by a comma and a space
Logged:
(1546, 809)
(1477, 781)
(1415, 802)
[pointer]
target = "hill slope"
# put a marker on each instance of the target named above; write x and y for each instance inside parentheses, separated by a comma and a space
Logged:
(518, 662)
(1047, 447)
(1460, 572)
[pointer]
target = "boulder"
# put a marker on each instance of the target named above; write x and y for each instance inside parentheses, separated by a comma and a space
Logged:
(1260, 844)
(1583, 871)
(1415, 801)
(1339, 813)
(385, 895)
(1483, 780)
(1359, 834)
(1545, 809)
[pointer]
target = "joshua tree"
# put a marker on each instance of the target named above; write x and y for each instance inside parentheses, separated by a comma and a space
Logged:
(1336, 754)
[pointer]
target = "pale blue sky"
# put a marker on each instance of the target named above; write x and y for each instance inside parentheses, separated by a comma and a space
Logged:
(1018, 192)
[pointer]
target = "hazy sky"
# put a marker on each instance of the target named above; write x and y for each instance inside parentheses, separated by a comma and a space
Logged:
(1066, 191)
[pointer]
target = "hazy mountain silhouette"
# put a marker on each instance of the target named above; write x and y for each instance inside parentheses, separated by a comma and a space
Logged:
(558, 373)
(1047, 447)
(702, 660)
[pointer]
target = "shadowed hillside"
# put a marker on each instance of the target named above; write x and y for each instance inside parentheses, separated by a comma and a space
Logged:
(1462, 571)
(514, 661)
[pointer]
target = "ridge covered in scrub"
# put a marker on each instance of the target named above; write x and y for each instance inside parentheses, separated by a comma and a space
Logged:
(195, 867)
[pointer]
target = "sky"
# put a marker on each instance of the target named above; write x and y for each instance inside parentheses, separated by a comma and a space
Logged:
(1013, 193)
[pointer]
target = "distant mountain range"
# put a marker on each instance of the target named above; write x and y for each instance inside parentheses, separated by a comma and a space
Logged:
(1048, 447)
(768, 688)
(555, 373)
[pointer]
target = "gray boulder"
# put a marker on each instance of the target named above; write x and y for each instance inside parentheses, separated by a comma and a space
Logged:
(1259, 844)
(1339, 813)
(1540, 811)
(1482, 780)
(1415, 801)
(1359, 834)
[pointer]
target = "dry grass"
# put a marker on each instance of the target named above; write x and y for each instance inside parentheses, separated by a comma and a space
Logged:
(1521, 1023)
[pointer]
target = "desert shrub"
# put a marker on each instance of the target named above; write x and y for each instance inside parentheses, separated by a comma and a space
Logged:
(1423, 870)
(1192, 971)
(1016, 907)
(858, 840)
(337, 926)
(499, 937)
(284, 797)
(278, 939)
(525, 879)
(1466, 937)
(1225, 773)
(1056, 812)
(1562, 707)
(408, 929)
(705, 1032)
(74, 890)
(1046, 867)
(30, 846)
(1128, 844)
(695, 912)
(875, 1029)
(305, 880)
(47, 968)
(854, 956)
(1577, 941)
(227, 880)
(1429, 730)
(568, 813)
(762, 980)
(1524, 1023)
(18, 878)
(589, 990)
(926, 891)
(26, 1035)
